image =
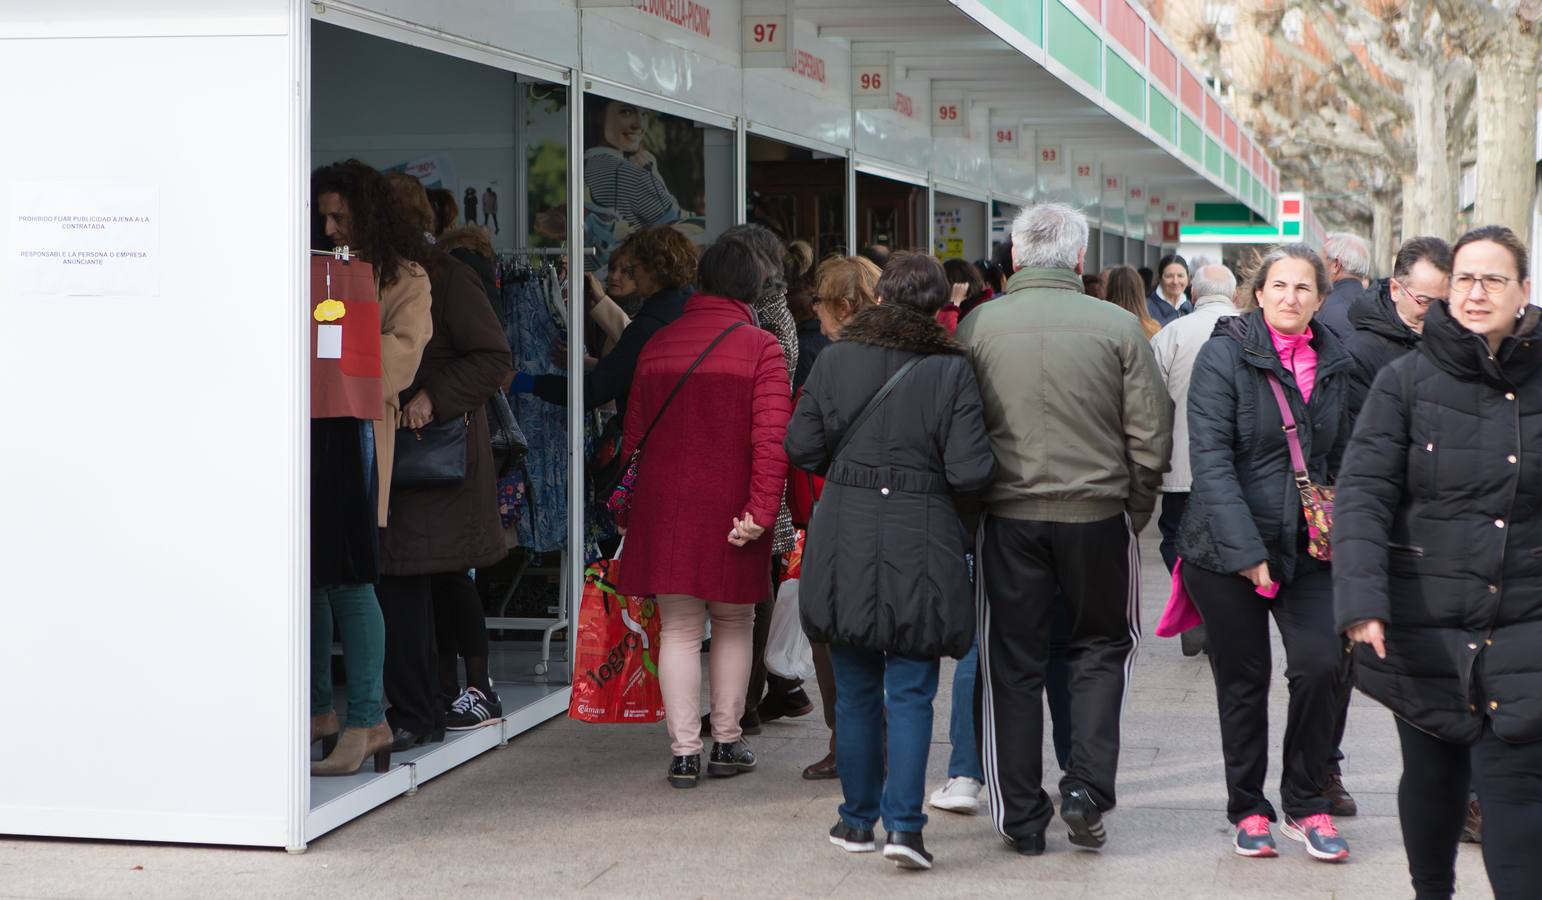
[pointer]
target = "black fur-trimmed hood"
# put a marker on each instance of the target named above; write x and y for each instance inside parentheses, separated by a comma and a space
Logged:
(901, 328)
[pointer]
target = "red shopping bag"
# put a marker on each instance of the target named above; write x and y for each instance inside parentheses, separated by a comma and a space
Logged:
(344, 320)
(792, 560)
(616, 674)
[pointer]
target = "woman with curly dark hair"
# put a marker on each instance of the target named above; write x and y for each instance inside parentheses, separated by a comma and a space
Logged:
(662, 262)
(355, 207)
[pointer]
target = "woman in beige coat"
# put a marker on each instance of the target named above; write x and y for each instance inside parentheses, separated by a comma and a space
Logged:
(405, 328)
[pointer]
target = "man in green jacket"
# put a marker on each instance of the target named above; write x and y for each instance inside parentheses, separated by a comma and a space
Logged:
(1081, 426)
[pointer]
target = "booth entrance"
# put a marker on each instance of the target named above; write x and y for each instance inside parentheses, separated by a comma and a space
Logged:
(961, 227)
(890, 213)
(798, 193)
(496, 142)
(500, 144)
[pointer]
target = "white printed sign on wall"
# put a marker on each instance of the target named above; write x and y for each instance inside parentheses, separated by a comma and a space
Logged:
(80, 240)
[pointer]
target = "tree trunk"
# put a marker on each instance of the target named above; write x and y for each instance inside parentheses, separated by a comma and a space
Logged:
(1507, 131)
(1384, 229)
(1429, 193)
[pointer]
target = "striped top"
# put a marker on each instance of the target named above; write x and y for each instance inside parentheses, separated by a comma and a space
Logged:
(637, 194)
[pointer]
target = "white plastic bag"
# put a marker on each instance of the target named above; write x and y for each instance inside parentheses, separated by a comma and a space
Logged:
(788, 652)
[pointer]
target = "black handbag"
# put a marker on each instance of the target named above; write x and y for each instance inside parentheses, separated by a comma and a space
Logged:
(509, 444)
(432, 456)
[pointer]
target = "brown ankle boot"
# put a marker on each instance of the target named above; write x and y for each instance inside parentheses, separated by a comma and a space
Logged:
(354, 747)
(324, 729)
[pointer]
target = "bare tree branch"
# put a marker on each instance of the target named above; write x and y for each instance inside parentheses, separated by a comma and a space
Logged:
(1354, 78)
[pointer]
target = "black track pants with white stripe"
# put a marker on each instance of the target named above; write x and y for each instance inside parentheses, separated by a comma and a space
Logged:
(1021, 564)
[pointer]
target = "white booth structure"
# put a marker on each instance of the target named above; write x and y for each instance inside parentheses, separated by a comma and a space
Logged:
(155, 271)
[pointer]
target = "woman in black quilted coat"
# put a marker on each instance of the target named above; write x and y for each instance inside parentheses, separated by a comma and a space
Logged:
(1244, 544)
(1438, 568)
(885, 582)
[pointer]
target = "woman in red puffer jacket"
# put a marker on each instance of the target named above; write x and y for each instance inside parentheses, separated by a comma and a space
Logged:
(709, 485)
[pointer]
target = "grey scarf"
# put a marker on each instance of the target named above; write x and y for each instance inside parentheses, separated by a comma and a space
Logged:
(772, 314)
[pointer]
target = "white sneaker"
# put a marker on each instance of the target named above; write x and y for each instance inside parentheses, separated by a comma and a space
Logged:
(960, 795)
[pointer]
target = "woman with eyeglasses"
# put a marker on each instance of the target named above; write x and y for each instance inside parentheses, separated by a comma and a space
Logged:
(1438, 567)
(843, 287)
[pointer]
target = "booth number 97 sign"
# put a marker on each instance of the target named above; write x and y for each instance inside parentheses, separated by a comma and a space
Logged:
(765, 33)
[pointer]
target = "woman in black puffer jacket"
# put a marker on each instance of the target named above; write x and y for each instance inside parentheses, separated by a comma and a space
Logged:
(1438, 559)
(1244, 535)
(885, 582)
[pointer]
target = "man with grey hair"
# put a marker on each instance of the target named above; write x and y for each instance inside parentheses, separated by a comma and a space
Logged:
(1082, 430)
(1176, 347)
(1348, 258)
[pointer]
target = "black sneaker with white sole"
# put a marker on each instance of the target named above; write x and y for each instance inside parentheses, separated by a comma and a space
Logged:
(852, 840)
(1084, 819)
(907, 851)
(1030, 845)
(473, 709)
(685, 771)
(729, 760)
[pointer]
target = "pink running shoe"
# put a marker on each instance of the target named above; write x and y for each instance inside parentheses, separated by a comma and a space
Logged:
(1254, 838)
(1320, 836)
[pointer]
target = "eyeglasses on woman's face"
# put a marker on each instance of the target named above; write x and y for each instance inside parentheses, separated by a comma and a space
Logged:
(1492, 284)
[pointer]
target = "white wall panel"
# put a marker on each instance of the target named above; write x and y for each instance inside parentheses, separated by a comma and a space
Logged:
(901, 134)
(798, 104)
(964, 159)
(1014, 178)
(149, 559)
(544, 29)
(645, 52)
(142, 18)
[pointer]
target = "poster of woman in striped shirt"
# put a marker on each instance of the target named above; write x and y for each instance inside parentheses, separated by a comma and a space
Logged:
(632, 157)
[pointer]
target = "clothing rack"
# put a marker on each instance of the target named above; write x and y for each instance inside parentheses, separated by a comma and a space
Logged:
(341, 253)
(541, 251)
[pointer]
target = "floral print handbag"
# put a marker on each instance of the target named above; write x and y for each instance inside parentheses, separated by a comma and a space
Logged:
(1316, 499)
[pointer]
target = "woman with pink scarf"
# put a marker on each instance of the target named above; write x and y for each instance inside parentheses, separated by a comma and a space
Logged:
(1266, 402)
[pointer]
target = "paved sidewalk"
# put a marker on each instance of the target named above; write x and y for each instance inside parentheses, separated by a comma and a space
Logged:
(570, 809)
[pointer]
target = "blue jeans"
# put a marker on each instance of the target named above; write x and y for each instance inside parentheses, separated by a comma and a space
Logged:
(964, 762)
(866, 682)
